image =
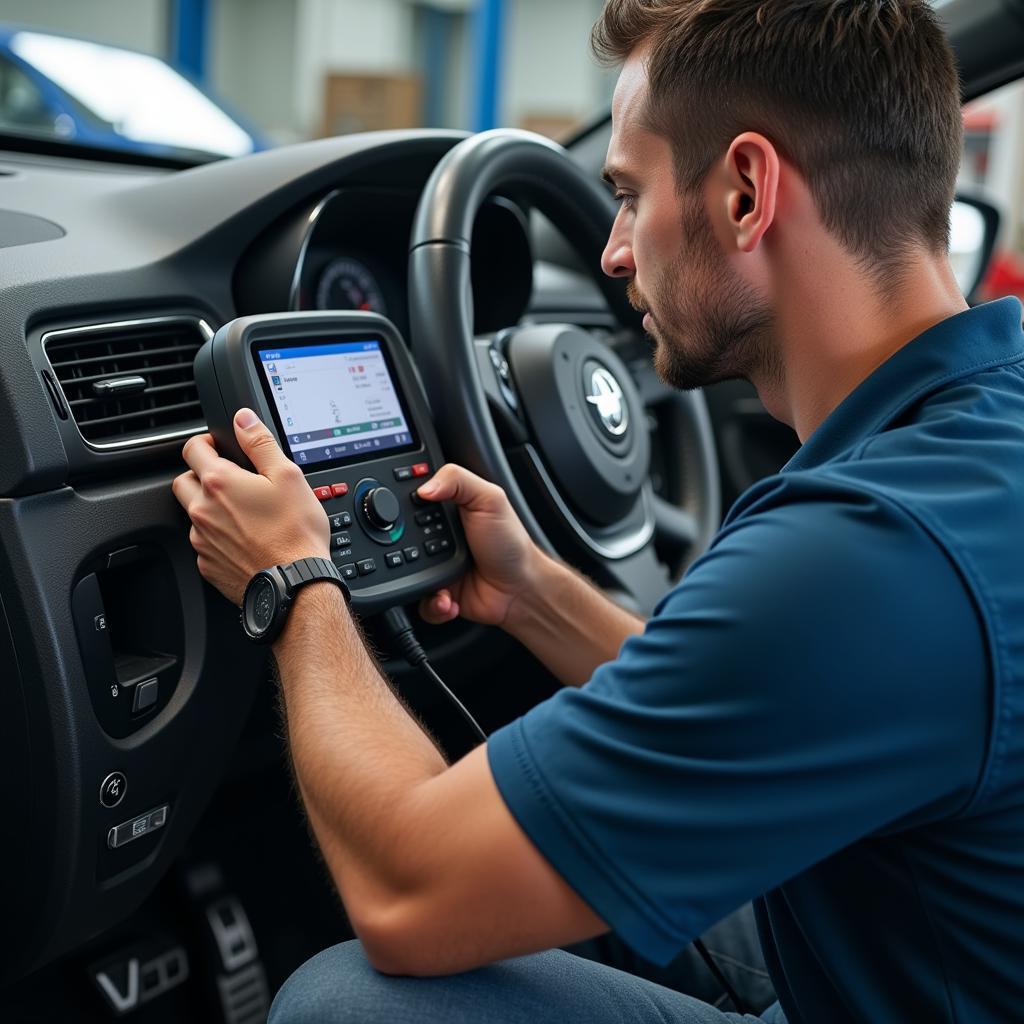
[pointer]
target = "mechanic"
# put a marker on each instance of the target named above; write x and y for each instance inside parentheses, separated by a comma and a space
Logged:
(825, 714)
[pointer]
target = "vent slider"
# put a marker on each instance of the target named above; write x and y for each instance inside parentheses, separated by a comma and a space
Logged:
(119, 386)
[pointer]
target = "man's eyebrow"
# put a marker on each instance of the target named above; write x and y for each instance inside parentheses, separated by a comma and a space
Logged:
(609, 173)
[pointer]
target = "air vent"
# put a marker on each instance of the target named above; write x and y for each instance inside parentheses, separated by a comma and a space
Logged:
(130, 383)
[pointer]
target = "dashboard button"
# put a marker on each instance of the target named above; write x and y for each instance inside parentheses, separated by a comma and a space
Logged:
(421, 469)
(341, 540)
(145, 695)
(348, 572)
(323, 493)
(339, 490)
(411, 554)
(366, 566)
(428, 516)
(433, 547)
(124, 833)
(342, 521)
(113, 789)
(403, 473)
(394, 559)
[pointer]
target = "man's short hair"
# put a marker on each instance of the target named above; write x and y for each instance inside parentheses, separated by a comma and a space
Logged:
(861, 96)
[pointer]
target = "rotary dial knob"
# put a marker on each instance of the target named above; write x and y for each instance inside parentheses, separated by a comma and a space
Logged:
(381, 508)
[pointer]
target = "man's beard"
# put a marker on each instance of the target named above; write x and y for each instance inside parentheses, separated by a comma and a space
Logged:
(708, 324)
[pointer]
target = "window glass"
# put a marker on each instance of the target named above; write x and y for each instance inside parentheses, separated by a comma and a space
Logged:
(993, 169)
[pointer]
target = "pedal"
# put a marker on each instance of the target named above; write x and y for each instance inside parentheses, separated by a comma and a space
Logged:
(233, 966)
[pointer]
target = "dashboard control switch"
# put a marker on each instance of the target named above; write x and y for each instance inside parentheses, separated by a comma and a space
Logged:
(366, 567)
(145, 696)
(394, 559)
(411, 554)
(421, 469)
(403, 473)
(113, 789)
(143, 825)
(348, 572)
(339, 490)
(323, 493)
(342, 521)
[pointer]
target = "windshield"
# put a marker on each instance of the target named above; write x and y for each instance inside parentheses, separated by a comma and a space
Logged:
(196, 79)
(132, 97)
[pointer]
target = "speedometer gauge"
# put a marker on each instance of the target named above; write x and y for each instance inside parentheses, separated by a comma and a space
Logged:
(348, 284)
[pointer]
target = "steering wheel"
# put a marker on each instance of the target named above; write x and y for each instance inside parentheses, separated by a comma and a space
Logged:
(551, 412)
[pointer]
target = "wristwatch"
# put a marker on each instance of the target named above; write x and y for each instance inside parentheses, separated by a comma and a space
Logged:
(271, 592)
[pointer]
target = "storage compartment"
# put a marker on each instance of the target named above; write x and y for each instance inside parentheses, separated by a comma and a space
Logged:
(129, 624)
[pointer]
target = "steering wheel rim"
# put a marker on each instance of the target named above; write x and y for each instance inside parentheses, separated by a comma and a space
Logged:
(441, 314)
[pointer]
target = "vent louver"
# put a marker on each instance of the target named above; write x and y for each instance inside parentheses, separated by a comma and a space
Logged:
(130, 383)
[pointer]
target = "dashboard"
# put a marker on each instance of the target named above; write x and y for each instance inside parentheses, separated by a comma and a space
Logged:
(114, 652)
(348, 250)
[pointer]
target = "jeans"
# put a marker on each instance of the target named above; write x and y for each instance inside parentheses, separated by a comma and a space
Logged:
(339, 986)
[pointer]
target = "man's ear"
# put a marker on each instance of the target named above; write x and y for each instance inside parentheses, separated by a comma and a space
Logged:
(752, 189)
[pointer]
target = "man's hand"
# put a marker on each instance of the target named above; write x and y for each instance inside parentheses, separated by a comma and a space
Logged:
(564, 620)
(507, 563)
(243, 522)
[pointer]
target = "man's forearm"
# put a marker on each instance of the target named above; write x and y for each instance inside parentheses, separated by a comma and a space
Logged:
(570, 625)
(357, 753)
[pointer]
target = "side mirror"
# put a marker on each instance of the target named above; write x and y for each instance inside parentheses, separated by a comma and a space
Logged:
(974, 225)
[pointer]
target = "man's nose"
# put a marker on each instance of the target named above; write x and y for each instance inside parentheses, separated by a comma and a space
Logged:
(617, 258)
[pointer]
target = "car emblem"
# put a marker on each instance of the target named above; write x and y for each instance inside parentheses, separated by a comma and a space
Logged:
(607, 400)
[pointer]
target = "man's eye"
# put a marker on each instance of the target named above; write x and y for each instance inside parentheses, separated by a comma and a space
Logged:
(624, 199)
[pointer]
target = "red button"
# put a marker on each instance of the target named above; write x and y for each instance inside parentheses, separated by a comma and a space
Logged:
(339, 490)
(323, 493)
(421, 469)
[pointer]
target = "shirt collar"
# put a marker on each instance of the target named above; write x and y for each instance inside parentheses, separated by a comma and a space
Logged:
(983, 337)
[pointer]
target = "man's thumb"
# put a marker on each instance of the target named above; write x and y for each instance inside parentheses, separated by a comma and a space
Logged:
(257, 442)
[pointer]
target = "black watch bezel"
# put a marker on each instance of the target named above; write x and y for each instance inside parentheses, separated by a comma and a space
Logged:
(284, 582)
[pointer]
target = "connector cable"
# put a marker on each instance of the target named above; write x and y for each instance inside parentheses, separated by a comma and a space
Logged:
(401, 632)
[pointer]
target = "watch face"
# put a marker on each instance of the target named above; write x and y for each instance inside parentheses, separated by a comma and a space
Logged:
(260, 605)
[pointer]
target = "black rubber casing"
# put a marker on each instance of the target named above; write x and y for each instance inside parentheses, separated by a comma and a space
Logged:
(228, 380)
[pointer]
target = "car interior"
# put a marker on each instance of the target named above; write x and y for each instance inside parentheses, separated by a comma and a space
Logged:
(157, 863)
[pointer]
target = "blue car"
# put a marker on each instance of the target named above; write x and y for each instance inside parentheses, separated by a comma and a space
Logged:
(107, 97)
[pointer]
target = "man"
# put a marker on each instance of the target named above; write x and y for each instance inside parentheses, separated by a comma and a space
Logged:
(825, 714)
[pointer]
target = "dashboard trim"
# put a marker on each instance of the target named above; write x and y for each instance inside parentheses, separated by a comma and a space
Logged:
(307, 237)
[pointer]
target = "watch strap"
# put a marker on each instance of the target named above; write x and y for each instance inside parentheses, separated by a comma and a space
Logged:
(308, 570)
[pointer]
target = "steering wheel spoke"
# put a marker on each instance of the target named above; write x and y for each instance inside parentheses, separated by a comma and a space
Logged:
(499, 387)
(674, 525)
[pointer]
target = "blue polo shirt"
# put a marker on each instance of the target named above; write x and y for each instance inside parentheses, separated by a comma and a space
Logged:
(827, 712)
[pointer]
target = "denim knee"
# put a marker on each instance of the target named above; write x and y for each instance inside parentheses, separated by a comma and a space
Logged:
(335, 986)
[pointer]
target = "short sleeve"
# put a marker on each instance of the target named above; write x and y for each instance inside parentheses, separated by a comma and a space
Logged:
(820, 676)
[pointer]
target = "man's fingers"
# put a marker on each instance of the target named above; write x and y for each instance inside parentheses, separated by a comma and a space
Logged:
(258, 443)
(186, 488)
(200, 454)
(439, 609)
(453, 483)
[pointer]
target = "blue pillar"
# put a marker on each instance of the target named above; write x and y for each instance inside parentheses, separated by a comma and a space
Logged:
(189, 31)
(489, 36)
(437, 35)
